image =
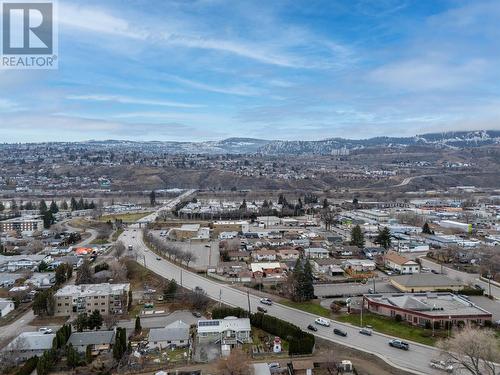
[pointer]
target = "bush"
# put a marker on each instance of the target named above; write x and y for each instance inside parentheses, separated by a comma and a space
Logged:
(398, 318)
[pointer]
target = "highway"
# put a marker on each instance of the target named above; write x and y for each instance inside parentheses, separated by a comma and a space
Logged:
(167, 207)
(416, 360)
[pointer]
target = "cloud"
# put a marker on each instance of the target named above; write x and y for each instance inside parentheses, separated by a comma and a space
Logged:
(231, 90)
(129, 100)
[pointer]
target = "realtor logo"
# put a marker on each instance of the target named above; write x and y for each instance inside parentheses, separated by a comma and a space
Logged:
(28, 35)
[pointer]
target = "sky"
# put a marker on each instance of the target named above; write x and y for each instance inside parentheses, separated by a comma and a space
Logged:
(194, 70)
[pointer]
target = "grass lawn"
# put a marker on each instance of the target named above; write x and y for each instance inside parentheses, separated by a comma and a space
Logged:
(125, 217)
(391, 327)
(99, 241)
(177, 355)
(117, 234)
(310, 307)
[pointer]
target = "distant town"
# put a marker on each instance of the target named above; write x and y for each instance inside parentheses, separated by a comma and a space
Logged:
(129, 258)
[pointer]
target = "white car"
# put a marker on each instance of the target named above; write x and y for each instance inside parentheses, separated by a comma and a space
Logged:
(322, 322)
(266, 301)
(441, 365)
(45, 330)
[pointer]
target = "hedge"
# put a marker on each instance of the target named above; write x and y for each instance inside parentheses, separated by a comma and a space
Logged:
(28, 366)
(300, 342)
(222, 312)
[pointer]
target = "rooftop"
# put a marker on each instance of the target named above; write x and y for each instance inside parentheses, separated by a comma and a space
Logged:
(425, 279)
(85, 290)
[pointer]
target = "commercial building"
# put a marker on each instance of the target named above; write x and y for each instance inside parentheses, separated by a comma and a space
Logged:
(422, 309)
(107, 298)
(425, 282)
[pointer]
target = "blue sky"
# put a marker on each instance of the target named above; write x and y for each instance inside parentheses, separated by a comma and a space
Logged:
(211, 69)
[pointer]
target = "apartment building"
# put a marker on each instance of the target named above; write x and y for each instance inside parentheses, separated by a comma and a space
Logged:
(23, 224)
(107, 298)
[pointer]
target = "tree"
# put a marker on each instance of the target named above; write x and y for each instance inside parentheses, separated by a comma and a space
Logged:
(120, 346)
(235, 364)
(119, 249)
(64, 205)
(297, 278)
(152, 198)
(170, 290)
(2, 207)
(95, 320)
(72, 356)
(42, 207)
(43, 304)
(357, 237)
(307, 283)
(84, 274)
(383, 238)
(61, 274)
(328, 217)
(88, 354)
(474, 350)
(355, 202)
(325, 203)
(81, 322)
(48, 219)
(138, 327)
(426, 229)
(73, 204)
(53, 207)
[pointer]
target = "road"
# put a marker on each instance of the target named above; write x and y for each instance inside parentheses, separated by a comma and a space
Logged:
(415, 360)
(85, 242)
(167, 207)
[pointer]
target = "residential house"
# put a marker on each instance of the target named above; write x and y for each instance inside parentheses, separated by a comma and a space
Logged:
(264, 255)
(173, 335)
(359, 267)
(99, 341)
(242, 256)
(230, 331)
(6, 306)
(329, 266)
(40, 280)
(316, 253)
(267, 269)
(302, 367)
(29, 344)
(288, 254)
(400, 263)
(19, 262)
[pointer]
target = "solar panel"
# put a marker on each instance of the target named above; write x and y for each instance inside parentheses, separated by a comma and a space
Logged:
(208, 323)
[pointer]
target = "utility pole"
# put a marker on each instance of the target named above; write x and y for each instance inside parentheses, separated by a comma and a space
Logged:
(362, 305)
(248, 298)
(181, 277)
(220, 298)
(374, 290)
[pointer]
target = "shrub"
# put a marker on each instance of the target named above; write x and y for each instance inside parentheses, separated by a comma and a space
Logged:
(222, 312)
(398, 318)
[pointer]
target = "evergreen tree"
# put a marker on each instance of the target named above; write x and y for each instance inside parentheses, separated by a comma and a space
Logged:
(307, 284)
(88, 354)
(297, 279)
(81, 204)
(53, 207)
(81, 322)
(152, 198)
(84, 274)
(42, 207)
(95, 320)
(64, 205)
(13, 205)
(383, 238)
(325, 203)
(61, 274)
(73, 204)
(426, 229)
(72, 356)
(138, 327)
(357, 237)
(2, 207)
(243, 205)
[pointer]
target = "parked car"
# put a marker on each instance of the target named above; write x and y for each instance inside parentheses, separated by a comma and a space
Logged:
(196, 314)
(266, 301)
(322, 322)
(367, 331)
(310, 327)
(261, 309)
(441, 365)
(273, 365)
(399, 344)
(45, 330)
(340, 332)
(158, 258)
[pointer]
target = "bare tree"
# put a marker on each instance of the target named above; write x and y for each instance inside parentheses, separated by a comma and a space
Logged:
(119, 248)
(473, 350)
(235, 364)
(110, 320)
(118, 271)
(188, 257)
(328, 217)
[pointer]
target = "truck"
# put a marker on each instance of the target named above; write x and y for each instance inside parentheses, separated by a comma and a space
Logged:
(399, 344)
